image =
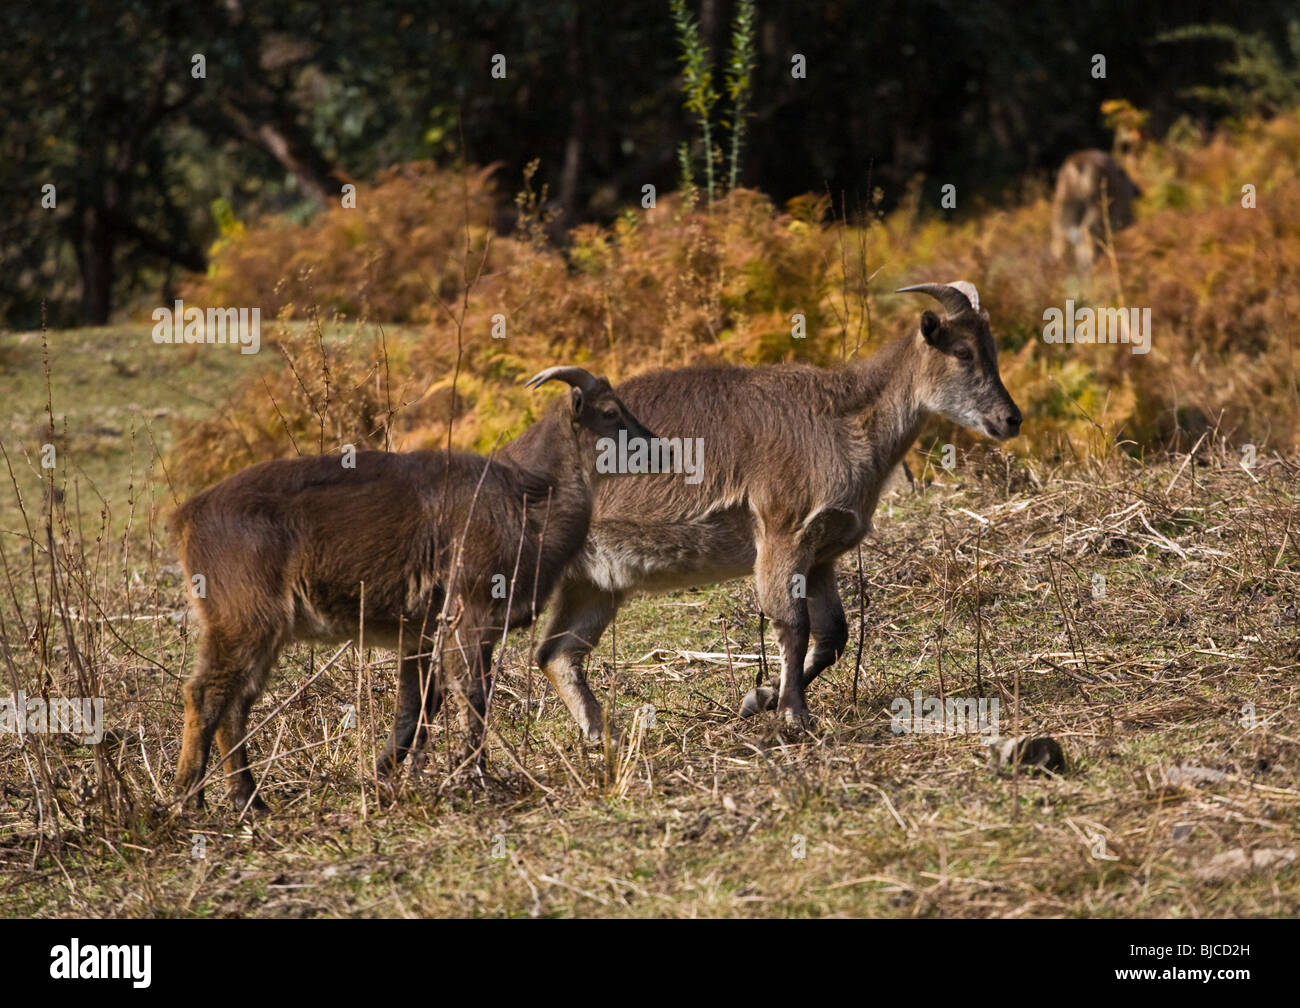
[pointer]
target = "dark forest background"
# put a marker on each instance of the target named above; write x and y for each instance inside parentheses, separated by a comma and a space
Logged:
(301, 97)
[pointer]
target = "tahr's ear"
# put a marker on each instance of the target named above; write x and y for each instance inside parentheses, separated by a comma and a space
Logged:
(575, 400)
(929, 326)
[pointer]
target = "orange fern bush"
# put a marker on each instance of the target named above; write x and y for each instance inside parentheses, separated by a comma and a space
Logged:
(401, 248)
(1224, 283)
(1189, 171)
(667, 287)
(744, 281)
(1219, 276)
(314, 395)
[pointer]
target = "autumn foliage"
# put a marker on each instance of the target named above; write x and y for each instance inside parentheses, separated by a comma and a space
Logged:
(740, 281)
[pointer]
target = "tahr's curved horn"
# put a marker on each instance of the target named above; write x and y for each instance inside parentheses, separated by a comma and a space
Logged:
(578, 377)
(956, 297)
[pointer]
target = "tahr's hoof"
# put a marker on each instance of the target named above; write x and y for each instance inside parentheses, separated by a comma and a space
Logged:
(795, 723)
(597, 736)
(249, 805)
(758, 700)
(468, 776)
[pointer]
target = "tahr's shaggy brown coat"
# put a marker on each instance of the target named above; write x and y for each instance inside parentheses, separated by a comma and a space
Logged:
(452, 549)
(794, 458)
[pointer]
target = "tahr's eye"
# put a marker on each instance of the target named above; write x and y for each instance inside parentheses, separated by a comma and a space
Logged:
(610, 413)
(963, 352)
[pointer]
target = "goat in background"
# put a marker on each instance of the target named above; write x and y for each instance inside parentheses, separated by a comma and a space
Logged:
(1094, 196)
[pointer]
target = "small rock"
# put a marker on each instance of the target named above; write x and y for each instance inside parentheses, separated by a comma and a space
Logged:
(1193, 776)
(1239, 862)
(698, 828)
(123, 368)
(1041, 752)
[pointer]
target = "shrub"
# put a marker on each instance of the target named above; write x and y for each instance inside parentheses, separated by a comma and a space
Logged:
(672, 285)
(392, 257)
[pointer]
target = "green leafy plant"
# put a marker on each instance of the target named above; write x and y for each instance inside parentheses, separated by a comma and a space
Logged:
(739, 79)
(700, 96)
(1266, 75)
(697, 82)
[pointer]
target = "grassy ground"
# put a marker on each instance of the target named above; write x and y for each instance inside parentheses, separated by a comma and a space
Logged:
(117, 399)
(1143, 615)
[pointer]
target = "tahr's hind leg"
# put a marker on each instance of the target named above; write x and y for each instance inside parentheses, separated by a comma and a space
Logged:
(229, 738)
(582, 612)
(472, 659)
(419, 698)
(229, 678)
(257, 657)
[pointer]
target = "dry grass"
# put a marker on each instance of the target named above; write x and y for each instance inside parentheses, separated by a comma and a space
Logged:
(981, 584)
(1138, 607)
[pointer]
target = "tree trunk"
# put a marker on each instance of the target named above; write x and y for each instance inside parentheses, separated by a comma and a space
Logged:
(95, 244)
(579, 123)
